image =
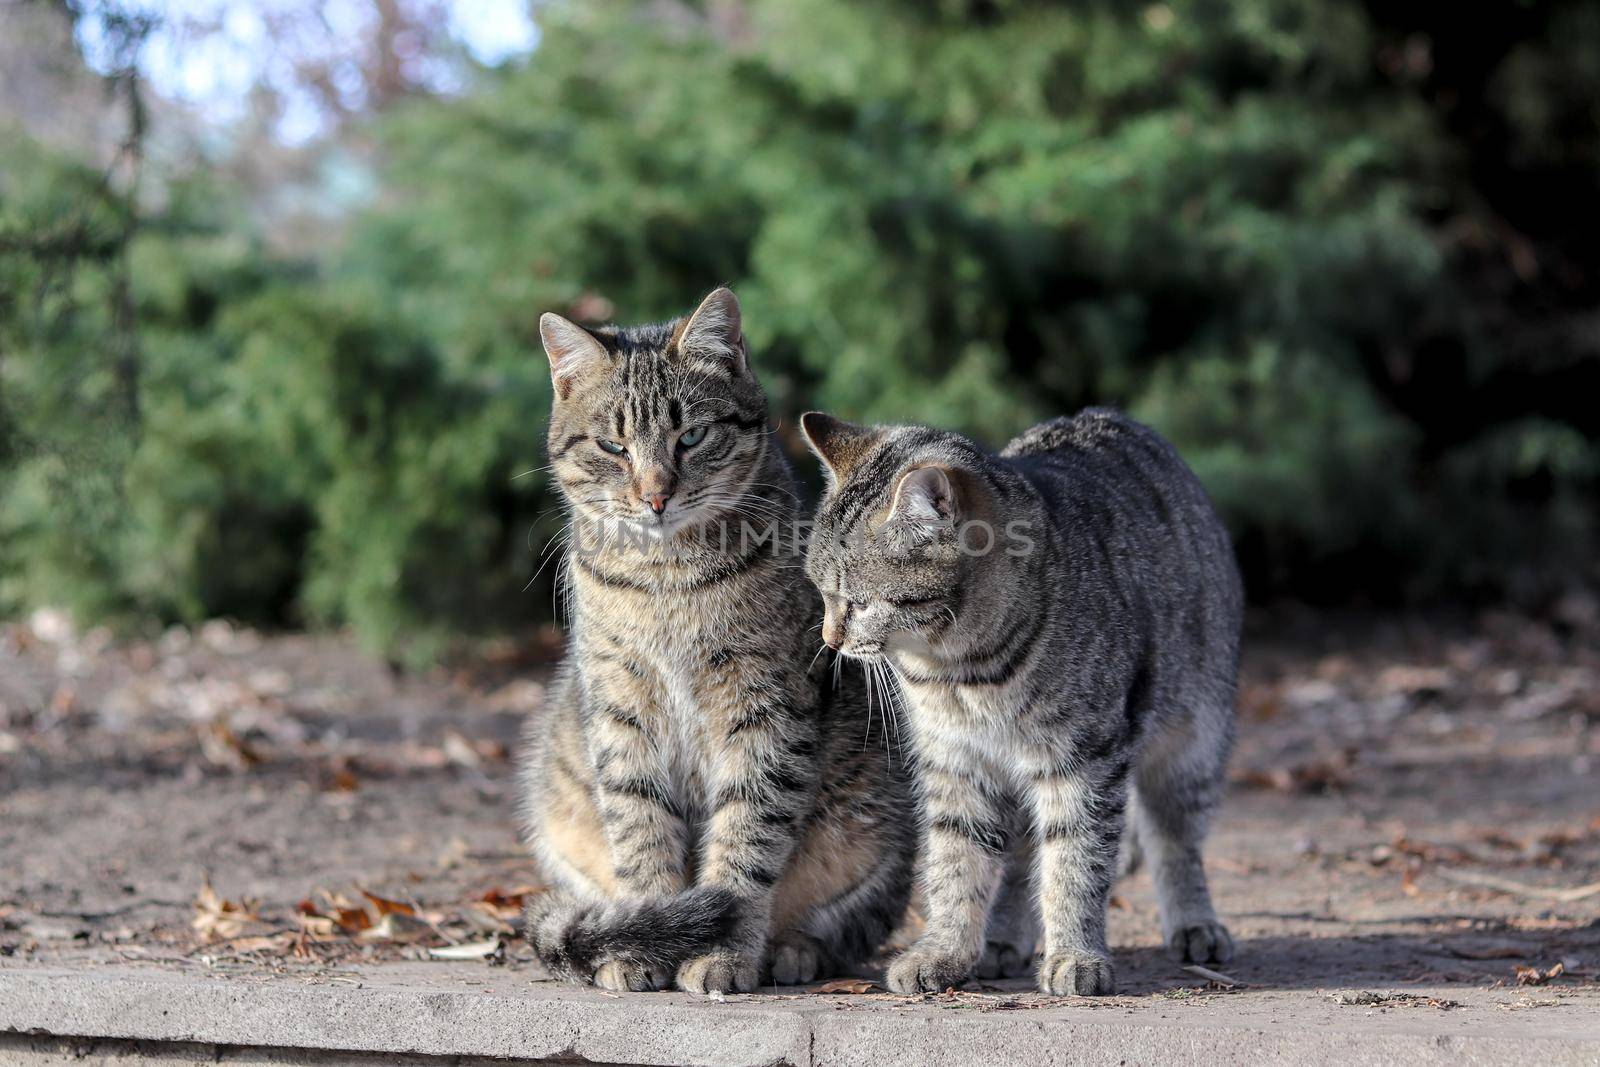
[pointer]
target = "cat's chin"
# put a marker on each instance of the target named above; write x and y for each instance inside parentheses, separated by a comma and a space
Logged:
(913, 652)
(910, 643)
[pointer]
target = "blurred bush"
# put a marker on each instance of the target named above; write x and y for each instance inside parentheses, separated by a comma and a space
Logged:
(1344, 254)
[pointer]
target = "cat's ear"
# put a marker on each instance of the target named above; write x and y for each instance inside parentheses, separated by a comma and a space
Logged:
(925, 494)
(839, 444)
(571, 349)
(714, 334)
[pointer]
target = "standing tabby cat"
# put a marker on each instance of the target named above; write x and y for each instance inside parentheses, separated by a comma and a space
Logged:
(697, 785)
(1058, 616)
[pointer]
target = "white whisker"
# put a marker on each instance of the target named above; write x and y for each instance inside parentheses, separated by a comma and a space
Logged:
(535, 470)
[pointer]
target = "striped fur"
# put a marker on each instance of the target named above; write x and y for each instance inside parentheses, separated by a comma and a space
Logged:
(707, 805)
(1089, 654)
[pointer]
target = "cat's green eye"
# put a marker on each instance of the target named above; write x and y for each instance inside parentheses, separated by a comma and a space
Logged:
(690, 438)
(610, 446)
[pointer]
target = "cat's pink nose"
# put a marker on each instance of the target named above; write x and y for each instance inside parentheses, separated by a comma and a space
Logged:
(832, 634)
(657, 501)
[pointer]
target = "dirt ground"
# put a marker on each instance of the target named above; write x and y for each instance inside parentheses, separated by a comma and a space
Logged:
(1415, 808)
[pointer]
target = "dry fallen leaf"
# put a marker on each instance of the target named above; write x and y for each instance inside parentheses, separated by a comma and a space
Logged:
(396, 926)
(459, 750)
(850, 985)
(340, 778)
(1429, 853)
(384, 906)
(316, 926)
(268, 943)
(1313, 776)
(508, 903)
(1367, 998)
(219, 919)
(222, 747)
(1501, 839)
(63, 701)
(346, 915)
(377, 919)
(352, 920)
(472, 950)
(481, 918)
(1534, 976)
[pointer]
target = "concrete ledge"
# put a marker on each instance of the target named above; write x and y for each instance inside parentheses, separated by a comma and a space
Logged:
(126, 1015)
(531, 1022)
(21, 1050)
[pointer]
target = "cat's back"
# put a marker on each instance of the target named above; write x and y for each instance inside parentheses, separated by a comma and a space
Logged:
(1101, 452)
(1118, 480)
(1091, 432)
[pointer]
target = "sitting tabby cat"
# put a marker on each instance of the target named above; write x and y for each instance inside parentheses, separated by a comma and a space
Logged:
(1058, 616)
(698, 785)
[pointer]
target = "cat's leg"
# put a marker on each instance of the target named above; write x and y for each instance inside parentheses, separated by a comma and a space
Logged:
(1131, 856)
(762, 780)
(562, 824)
(567, 836)
(1179, 782)
(1014, 922)
(795, 957)
(568, 839)
(846, 888)
(845, 892)
(964, 825)
(645, 836)
(1078, 816)
(836, 934)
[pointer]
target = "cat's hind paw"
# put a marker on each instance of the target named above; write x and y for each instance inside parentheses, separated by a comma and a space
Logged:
(796, 960)
(1001, 959)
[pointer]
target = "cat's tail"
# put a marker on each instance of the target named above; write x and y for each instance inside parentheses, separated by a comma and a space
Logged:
(573, 937)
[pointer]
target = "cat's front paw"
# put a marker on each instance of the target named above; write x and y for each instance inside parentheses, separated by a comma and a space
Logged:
(1202, 942)
(1068, 974)
(626, 976)
(717, 972)
(919, 970)
(1001, 959)
(796, 959)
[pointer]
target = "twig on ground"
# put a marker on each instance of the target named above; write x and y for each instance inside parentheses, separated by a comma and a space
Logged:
(1214, 976)
(1569, 895)
(112, 913)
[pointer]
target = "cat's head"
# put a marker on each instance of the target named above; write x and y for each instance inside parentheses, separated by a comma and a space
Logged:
(886, 547)
(657, 425)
